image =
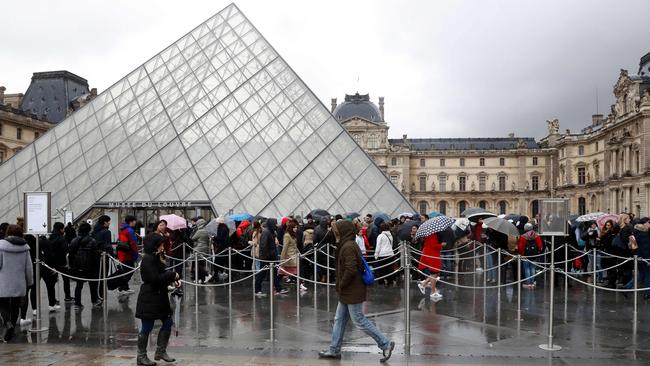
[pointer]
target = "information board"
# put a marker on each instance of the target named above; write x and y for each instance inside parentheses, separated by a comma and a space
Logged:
(37, 212)
(553, 216)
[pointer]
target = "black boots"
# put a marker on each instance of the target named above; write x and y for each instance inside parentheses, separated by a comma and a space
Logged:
(142, 359)
(161, 350)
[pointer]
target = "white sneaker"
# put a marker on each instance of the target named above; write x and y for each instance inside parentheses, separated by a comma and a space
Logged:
(260, 294)
(24, 322)
(422, 288)
(303, 287)
(436, 296)
(34, 312)
(479, 270)
(52, 309)
(130, 291)
(207, 278)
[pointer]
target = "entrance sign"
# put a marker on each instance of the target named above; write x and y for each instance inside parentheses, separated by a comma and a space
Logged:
(69, 217)
(37, 212)
(553, 215)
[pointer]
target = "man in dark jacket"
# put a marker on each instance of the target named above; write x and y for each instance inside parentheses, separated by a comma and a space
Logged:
(103, 237)
(374, 232)
(323, 236)
(59, 247)
(352, 293)
(85, 255)
(268, 253)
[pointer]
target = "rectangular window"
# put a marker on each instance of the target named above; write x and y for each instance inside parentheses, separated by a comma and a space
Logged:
(535, 184)
(442, 162)
(36, 135)
(596, 145)
(393, 161)
(422, 163)
(442, 183)
(502, 161)
(423, 183)
(373, 142)
(581, 150)
(596, 172)
(19, 133)
(394, 179)
(481, 162)
(0, 129)
(502, 183)
(581, 175)
(461, 183)
(481, 183)
(2, 156)
(462, 161)
(535, 160)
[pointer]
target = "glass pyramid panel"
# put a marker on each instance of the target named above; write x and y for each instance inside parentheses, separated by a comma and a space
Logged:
(217, 116)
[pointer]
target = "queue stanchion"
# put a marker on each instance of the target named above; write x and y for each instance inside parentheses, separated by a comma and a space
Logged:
(184, 264)
(406, 263)
(105, 283)
(196, 282)
(271, 297)
(485, 269)
(636, 284)
(298, 287)
(37, 288)
(230, 272)
(550, 346)
(315, 274)
(519, 288)
(328, 277)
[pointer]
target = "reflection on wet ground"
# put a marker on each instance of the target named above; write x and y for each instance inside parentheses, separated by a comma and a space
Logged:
(468, 327)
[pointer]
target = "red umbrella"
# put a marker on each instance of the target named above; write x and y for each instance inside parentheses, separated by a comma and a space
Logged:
(603, 219)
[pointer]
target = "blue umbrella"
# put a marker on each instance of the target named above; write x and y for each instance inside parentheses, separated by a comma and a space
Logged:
(434, 225)
(351, 215)
(241, 217)
(382, 215)
(433, 214)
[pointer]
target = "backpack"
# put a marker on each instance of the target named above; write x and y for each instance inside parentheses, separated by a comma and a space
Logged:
(86, 255)
(531, 248)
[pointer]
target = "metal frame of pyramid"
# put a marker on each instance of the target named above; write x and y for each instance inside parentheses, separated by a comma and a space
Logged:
(217, 116)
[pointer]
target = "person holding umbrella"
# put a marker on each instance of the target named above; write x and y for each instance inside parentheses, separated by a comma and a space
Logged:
(153, 299)
(430, 262)
(530, 244)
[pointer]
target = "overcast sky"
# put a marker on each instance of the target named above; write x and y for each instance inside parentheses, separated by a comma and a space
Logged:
(445, 68)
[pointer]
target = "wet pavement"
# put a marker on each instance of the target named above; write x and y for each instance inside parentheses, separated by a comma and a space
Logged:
(467, 327)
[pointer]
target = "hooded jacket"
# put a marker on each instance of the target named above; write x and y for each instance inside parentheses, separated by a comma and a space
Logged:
(201, 238)
(267, 241)
(127, 235)
(375, 231)
(349, 284)
(153, 299)
(59, 247)
(529, 235)
(322, 235)
(16, 271)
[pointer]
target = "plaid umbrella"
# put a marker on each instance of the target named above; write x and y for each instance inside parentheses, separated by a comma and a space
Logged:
(434, 225)
(590, 217)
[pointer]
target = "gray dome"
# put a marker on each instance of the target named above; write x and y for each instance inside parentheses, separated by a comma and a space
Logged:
(358, 106)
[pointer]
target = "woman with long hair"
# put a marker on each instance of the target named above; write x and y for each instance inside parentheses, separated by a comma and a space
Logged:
(430, 264)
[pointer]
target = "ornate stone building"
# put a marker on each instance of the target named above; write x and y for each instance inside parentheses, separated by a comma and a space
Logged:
(604, 167)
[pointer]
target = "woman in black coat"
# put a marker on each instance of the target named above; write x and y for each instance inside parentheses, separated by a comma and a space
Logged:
(153, 299)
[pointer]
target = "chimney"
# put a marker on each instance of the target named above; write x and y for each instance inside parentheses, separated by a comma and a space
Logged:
(511, 135)
(596, 119)
(381, 107)
(333, 105)
(404, 137)
(93, 92)
(2, 94)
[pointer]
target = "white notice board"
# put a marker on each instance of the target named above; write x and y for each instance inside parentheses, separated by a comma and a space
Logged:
(37, 212)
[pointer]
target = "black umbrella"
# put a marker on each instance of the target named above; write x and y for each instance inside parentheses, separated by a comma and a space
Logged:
(351, 215)
(404, 232)
(476, 213)
(434, 225)
(318, 213)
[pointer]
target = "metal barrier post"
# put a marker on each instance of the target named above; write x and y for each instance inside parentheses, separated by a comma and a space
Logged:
(406, 261)
(37, 322)
(484, 266)
(328, 277)
(184, 264)
(550, 346)
(519, 288)
(271, 295)
(105, 282)
(636, 283)
(196, 282)
(230, 272)
(298, 287)
(566, 269)
(499, 269)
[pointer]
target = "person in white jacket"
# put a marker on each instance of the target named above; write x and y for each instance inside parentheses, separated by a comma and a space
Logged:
(384, 254)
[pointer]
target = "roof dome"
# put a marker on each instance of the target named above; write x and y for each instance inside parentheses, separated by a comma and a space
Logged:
(358, 106)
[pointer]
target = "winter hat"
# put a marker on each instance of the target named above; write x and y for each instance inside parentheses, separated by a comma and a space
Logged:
(528, 227)
(643, 220)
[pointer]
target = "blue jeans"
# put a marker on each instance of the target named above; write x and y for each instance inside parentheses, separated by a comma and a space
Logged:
(147, 325)
(354, 311)
(447, 264)
(490, 270)
(596, 265)
(529, 271)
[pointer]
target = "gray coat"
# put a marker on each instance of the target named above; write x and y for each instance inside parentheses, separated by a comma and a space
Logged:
(16, 273)
(201, 238)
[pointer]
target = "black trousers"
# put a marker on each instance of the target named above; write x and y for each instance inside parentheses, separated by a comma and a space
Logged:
(125, 279)
(93, 291)
(9, 311)
(66, 282)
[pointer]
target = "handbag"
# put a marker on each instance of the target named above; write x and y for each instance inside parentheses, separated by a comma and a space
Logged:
(632, 244)
(367, 275)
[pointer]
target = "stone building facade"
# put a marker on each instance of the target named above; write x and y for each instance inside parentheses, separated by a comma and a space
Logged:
(17, 129)
(604, 167)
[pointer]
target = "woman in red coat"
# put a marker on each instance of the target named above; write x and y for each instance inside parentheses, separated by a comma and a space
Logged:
(430, 264)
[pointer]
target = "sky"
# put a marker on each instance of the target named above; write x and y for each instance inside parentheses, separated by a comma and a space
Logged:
(445, 68)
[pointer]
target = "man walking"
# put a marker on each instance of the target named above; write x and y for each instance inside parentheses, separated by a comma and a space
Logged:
(352, 293)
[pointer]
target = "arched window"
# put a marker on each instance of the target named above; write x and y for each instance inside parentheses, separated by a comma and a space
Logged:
(462, 206)
(442, 207)
(423, 207)
(357, 138)
(483, 204)
(582, 206)
(503, 207)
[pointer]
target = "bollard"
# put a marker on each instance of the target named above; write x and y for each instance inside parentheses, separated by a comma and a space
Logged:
(406, 260)
(550, 346)
(37, 281)
(196, 283)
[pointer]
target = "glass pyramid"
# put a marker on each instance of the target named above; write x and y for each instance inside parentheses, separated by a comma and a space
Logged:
(217, 116)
